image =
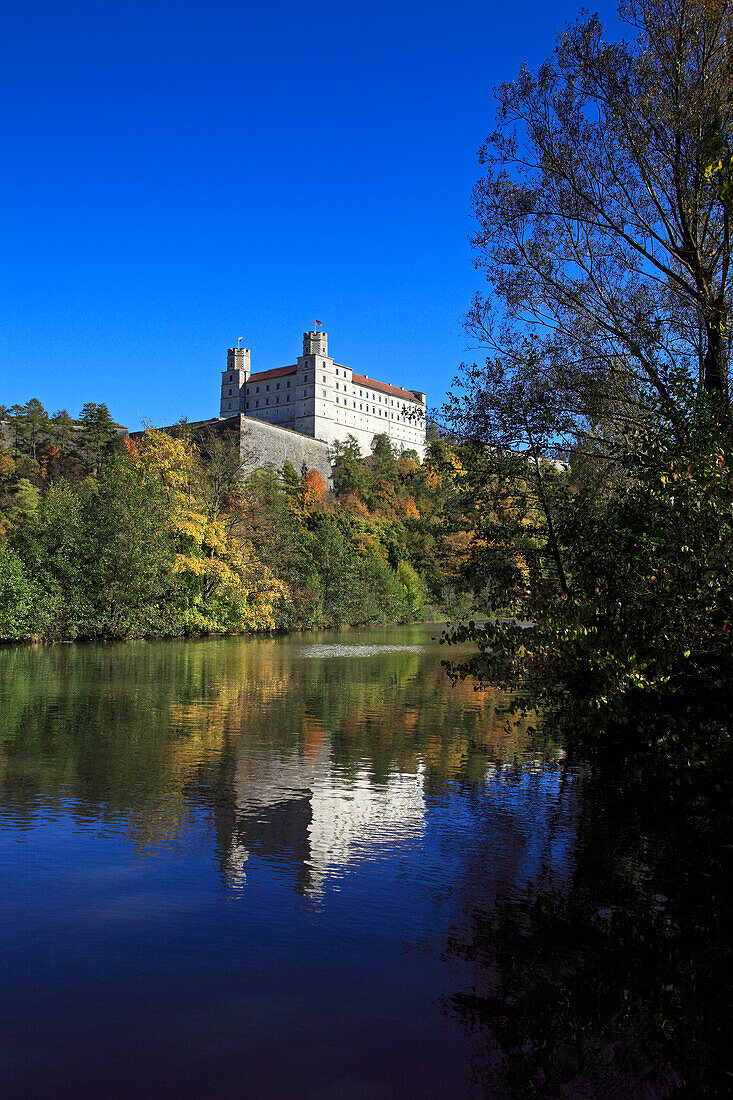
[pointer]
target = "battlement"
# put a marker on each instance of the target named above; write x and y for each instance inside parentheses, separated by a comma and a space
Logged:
(239, 359)
(315, 343)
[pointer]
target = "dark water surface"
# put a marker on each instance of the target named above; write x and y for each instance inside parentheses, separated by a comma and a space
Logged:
(308, 867)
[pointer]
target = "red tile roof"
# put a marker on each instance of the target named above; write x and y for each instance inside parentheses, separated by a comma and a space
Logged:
(384, 387)
(357, 379)
(279, 372)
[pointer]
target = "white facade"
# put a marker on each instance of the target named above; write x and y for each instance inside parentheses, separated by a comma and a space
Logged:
(324, 399)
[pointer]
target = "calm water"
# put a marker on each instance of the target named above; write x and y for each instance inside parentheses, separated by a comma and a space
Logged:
(308, 867)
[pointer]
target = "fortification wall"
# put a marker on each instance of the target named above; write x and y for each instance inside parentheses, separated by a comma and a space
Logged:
(263, 444)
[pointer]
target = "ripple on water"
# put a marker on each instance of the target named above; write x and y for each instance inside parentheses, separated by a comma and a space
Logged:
(336, 650)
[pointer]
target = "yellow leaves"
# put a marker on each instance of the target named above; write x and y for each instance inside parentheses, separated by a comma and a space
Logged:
(7, 465)
(159, 457)
(225, 586)
(190, 524)
(211, 568)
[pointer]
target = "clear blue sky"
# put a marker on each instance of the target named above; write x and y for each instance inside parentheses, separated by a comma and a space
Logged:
(176, 175)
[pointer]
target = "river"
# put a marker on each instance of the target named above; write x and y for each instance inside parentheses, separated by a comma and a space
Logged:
(308, 866)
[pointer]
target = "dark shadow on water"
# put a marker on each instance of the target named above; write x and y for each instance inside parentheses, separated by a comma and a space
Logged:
(616, 983)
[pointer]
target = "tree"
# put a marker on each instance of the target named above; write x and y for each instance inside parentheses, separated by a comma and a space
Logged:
(384, 460)
(312, 490)
(61, 431)
(349, 471)
(607, 245)
(290, 479)
(597, 225)
(222, 584)
(99, 439)
(510, 480)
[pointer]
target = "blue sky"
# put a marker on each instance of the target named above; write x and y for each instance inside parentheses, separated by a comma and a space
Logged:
(174, 176)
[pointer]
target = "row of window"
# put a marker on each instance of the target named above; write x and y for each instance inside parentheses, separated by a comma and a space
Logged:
(375, 411)
(305, 379)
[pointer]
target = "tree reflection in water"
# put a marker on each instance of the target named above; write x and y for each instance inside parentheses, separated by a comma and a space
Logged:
(607, 982)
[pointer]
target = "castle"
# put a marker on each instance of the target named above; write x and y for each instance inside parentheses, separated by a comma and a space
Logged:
(324, 400)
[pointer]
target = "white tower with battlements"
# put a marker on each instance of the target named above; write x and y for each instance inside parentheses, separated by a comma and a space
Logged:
(234, 382)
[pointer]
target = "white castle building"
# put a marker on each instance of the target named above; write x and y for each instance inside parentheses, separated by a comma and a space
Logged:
(324, 399)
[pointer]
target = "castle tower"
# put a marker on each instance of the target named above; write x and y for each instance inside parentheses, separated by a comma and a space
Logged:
(315, 343)
(234, 381)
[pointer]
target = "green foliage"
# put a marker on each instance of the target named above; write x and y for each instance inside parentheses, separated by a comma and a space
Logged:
(17, 596)
(636, 660)
(99, 439)
(165, 536)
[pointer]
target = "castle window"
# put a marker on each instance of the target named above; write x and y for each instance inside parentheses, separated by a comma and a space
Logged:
(257, 404)
(248, 391)
(277, 387)
(288, 384)
(257, 391)
(323, 392)
(277, 400)
(267, 387)
(267, 400)
(324, 378)
(230, 394)
(229, 404)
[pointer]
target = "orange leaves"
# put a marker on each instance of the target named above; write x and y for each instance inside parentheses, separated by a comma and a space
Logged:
(353, 504)
(312, 489)
(410, 510)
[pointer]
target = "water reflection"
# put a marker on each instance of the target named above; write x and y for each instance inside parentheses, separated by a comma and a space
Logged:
(250, 863)
(136, 729)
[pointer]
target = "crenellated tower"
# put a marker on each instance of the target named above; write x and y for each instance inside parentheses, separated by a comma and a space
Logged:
(234, 381)
(315, 343)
